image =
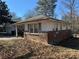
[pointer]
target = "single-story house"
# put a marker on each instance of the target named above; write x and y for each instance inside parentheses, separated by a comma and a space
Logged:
(39, 24)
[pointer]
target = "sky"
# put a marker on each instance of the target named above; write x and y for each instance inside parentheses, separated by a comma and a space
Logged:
(21, 7)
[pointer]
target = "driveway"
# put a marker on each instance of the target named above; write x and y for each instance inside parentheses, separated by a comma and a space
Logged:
(10, 38)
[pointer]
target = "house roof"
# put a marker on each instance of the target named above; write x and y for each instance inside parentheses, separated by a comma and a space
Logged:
(37, 18)
(40, 17)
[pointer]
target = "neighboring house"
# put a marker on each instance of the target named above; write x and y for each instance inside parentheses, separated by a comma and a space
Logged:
(2, 28)
(74, 22)
(6, 28)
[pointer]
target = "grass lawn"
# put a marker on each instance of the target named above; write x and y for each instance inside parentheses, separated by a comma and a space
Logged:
(28, 49)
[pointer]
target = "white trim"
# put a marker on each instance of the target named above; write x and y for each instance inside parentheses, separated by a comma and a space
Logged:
(16, 31)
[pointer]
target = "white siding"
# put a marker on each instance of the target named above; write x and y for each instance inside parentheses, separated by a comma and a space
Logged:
(63, 27)
(45, 26)
(26, 27)
(13, 28)
(10, 28)
(48, 26)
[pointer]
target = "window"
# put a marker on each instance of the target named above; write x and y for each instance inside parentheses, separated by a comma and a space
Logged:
(34, 28)
(30, 28)
(39, 27)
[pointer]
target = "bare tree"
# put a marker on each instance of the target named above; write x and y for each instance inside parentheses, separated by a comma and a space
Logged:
(15, 17)
(71, 7)
(30, 14)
